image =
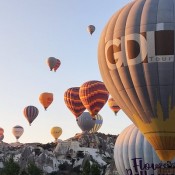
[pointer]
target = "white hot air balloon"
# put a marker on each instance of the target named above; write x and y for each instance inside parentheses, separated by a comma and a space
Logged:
(133, 155)
(17, 131)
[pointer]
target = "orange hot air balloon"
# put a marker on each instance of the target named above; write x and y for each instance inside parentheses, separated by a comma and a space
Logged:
(46, 99)
(73, 102)
(136, 57)
(93, 95)
(57, 65)
(113, 105)
(51, 62)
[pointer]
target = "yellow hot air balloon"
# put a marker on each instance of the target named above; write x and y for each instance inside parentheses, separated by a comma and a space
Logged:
(46, 99)
(56, 132)
(136, 60)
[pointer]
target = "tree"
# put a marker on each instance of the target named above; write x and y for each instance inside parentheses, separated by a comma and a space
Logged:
(11, 167)
(95, 170)
(32, 169)
(86, 168)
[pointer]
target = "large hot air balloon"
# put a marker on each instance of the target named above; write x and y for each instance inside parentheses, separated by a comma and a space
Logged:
(91, 29)
(17, 131)
(85, 122)
(57, 65)
(56, 132)
(98, 123)
(113, 105)
(46, 99)
(136, 61)
(133, 154)
(73, 102)
(30, 113)
(51, 61)
(93, 95)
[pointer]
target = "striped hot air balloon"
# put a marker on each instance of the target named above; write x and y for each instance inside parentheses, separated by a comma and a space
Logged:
(73, 102)
(30, 113)
(17, 131)
(93, 95)
(113, 105)
(46, 99)
(98, 123)
(57, 65)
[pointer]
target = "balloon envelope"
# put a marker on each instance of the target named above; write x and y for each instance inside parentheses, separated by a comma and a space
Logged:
(91, 29)
(56, 132)
(93, 95)
(30, 113)
(113, 105)
(98, 123)
(51, 62)
(17, 131)
(85, 122)
(46, 99)
(136, 61)
(73, 102)
(132, 147)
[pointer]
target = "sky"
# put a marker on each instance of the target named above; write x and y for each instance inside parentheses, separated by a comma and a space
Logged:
(30, 32)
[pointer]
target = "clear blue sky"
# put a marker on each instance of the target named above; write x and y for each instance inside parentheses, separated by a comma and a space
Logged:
(30, 32)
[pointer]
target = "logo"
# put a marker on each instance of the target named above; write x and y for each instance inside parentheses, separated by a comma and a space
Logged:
(136, 48)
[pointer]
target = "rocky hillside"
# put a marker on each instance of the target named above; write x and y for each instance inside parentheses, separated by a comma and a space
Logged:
(68, 157)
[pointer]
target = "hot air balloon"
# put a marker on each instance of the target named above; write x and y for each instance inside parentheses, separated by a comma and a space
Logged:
(30, 113)
(85, 122)
(91, 29)
(57, 65)
(17, 131)
(136, 61)
(133, 154)
(56, 132)
(93, 95)
(52, 61)
(1, 131)
(98, 123)
(46, 99)
(113, 105)
(73, 102)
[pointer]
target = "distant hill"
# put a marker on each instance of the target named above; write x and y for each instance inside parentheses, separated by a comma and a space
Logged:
(69, 157)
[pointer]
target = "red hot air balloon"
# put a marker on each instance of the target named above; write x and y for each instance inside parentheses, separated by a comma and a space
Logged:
(73, 102)
(57, 65)
(93, 95)
(30, 113)
(113, 105)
